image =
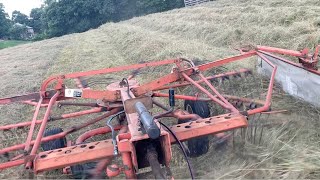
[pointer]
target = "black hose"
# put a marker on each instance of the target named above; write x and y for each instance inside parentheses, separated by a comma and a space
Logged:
(181, 147)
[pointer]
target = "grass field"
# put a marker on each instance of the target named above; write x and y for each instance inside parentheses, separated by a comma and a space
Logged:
(290, 147)
(11, 43)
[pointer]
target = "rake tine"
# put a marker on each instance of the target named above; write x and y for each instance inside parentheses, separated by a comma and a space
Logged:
(5, 156)
(251, 127)
(246, 81)
(257, 91)
(241, 133)
(262, 127)
(231, 86)
(225, 78)
(214, 80)
(233, 138)
(245, 134)
(247, 73)
(255, 128)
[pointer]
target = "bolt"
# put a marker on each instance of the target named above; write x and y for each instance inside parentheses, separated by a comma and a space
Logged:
(115, 150)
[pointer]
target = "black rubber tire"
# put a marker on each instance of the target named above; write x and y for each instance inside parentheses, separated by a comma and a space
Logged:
(197, 146)
(54, 144)
(82, 171)
(198, 107)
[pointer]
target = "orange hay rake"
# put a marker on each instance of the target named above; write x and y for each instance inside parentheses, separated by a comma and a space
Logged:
(139, 138)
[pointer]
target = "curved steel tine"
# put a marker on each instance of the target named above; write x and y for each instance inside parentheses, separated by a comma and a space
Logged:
(262, 127)
(255, 127)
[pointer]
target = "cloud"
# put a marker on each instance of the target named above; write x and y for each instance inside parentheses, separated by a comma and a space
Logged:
(23, 6)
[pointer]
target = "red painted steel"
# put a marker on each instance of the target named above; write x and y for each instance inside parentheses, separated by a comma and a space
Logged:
(194, 98)
(227, 74)
(280, 51)
(94, 132)
(105, 71)
(34, 103)
(64, 116)
(62, 134)
(267, 104)
(44, 124)
(231, 107)
(10, 164)
(215, 99)
(33, 124)
(221, 62)
(292, 63)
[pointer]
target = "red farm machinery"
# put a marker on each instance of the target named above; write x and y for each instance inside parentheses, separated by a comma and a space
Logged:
(133, 116)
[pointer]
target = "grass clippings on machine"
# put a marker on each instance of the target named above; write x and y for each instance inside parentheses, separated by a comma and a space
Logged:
(139, 138)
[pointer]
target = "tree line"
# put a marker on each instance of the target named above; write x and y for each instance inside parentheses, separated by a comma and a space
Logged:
(59, 17)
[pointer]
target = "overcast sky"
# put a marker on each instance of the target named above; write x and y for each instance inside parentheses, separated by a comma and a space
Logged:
(23, 6)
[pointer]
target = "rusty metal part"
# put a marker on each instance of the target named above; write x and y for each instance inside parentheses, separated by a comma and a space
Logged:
(183, 115)
(94, 132)
(145, 100)
(157, 103)
(63, 134)
(208, 126)
(81, 83)
(195, 98)
(60, 78)
(152, 157)
(11, 164)
(73, 155)
(42, 128)
(64, 116)
(113, 170)
(111, 112)
(275, 112)
(147, 121)
(221, 101)
(96, 173)
(211, 78)
(33, 124)
(267, 105)
(103, 149)
(33, 103)
(60, 104)
(308, 61)
(26, 97)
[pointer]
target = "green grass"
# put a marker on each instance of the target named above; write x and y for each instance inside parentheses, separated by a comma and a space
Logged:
(11, 43)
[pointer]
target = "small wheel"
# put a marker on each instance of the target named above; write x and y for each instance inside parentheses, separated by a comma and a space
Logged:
(82, 171)
(197, 146)
(53, 144)
(197, 107)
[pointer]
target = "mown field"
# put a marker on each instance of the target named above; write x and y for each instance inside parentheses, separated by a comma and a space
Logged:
(289, 149)
(11, 43)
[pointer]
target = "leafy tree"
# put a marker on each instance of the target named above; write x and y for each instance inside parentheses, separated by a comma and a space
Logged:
(5, 23)
(60, 17)
(70, 16)
(36, 19)
(148, 7)
(125, 9)
(18, 32)
(49, 2)
(18, 17)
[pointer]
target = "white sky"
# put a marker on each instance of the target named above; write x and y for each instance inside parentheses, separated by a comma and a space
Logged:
(23, 6)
